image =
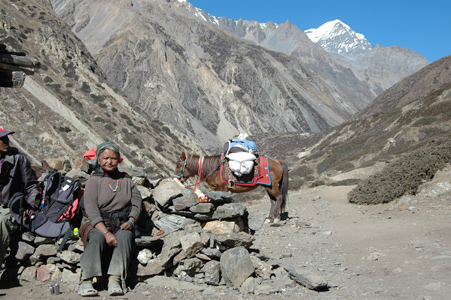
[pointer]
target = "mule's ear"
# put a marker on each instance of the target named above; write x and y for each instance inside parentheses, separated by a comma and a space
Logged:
(183, 157)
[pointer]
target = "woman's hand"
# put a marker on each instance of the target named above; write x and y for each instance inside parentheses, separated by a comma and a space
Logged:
(111, 239)
(129, 225)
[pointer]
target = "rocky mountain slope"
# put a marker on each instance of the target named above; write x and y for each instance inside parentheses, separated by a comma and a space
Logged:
(402, 137)
(66, 107)
(381, 67)
(333, 51)
(208, 83)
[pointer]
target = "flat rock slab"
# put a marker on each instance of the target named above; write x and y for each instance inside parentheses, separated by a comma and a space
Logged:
(310, 281)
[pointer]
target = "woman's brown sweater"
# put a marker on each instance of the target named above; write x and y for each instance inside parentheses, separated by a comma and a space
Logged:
(99, 196)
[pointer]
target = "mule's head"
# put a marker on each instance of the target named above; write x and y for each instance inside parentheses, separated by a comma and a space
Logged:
(181, 172)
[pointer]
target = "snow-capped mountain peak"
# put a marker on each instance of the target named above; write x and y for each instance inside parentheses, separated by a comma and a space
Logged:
(337, 37)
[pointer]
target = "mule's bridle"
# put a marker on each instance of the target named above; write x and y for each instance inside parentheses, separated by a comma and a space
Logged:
(182, 165)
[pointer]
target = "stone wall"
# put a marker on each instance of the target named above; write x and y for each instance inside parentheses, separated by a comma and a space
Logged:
(182, 237)
(179, 237)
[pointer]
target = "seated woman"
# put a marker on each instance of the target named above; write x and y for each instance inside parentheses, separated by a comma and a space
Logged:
(113, 204)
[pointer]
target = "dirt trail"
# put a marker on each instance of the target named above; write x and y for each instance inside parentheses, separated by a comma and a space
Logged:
(386, 251)
(373, 252)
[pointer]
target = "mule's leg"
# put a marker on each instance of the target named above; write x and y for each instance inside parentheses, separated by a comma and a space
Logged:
(270, 217)
(278, 209)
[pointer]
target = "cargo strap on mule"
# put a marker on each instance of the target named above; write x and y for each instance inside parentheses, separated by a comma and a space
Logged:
(230, 182)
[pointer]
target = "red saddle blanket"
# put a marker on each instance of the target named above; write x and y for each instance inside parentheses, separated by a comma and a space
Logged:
(259, 175)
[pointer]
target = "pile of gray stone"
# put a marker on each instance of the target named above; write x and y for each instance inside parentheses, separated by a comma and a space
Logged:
(208, 243)
(204, 242)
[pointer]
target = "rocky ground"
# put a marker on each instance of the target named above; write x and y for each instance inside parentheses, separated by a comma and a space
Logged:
(400, 250)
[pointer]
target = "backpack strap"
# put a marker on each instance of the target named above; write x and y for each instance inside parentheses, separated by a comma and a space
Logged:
(21, 211)
(65, 238)
(50, 180)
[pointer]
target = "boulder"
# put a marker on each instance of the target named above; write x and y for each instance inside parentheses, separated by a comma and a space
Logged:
(310, 281)
(236, 266)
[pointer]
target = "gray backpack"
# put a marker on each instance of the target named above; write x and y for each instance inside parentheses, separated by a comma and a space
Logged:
(60, 204)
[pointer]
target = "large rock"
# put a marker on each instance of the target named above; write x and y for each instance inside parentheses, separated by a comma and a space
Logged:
(70, 257)
(168, 282)
(191, 244)
(153, 267)
(171, 247)
(236, 266)
(202, 208)
(44, 272)
(229, 210)
(185, 202)
(72, 279)
(24, 251)
(218, 197)
(235, 239)
(29, 274)
(221, 227)
(256, 220)
(262, 269)
(166, 191)
(212, 271)
(190, 266)
(310, 281)
(173, 223)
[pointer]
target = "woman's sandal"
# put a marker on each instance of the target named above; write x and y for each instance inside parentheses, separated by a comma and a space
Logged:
(114, 289)
(87, 290)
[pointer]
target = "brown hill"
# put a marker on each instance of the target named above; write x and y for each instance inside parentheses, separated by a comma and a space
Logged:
(404, 135)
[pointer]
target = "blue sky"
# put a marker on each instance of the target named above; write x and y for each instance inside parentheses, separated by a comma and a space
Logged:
(422, 26)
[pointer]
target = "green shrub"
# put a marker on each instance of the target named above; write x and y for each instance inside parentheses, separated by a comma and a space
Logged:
(318, 183)
(404, 175)
(55, 87)
(70, 70)
(352, 181)
(424, 121)
(431, 132)
(344, 166)
(108, 127)
(47, 79)
(326, 164)
(301, 171)
(296, 184)
(99, 120)
(85, 88)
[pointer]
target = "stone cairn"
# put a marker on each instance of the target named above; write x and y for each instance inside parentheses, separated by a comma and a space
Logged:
(207, 243)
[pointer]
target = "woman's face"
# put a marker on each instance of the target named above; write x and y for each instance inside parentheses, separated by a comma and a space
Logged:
(4, 144)
(108, 160)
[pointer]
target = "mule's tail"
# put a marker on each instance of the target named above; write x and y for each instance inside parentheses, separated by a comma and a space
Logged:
(284, 187)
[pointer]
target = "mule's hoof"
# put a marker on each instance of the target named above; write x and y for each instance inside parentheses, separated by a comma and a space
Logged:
(276, 221)
(267, 221)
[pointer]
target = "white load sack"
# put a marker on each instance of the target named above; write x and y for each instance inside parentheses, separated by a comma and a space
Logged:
(241, 156)
(241, 163)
